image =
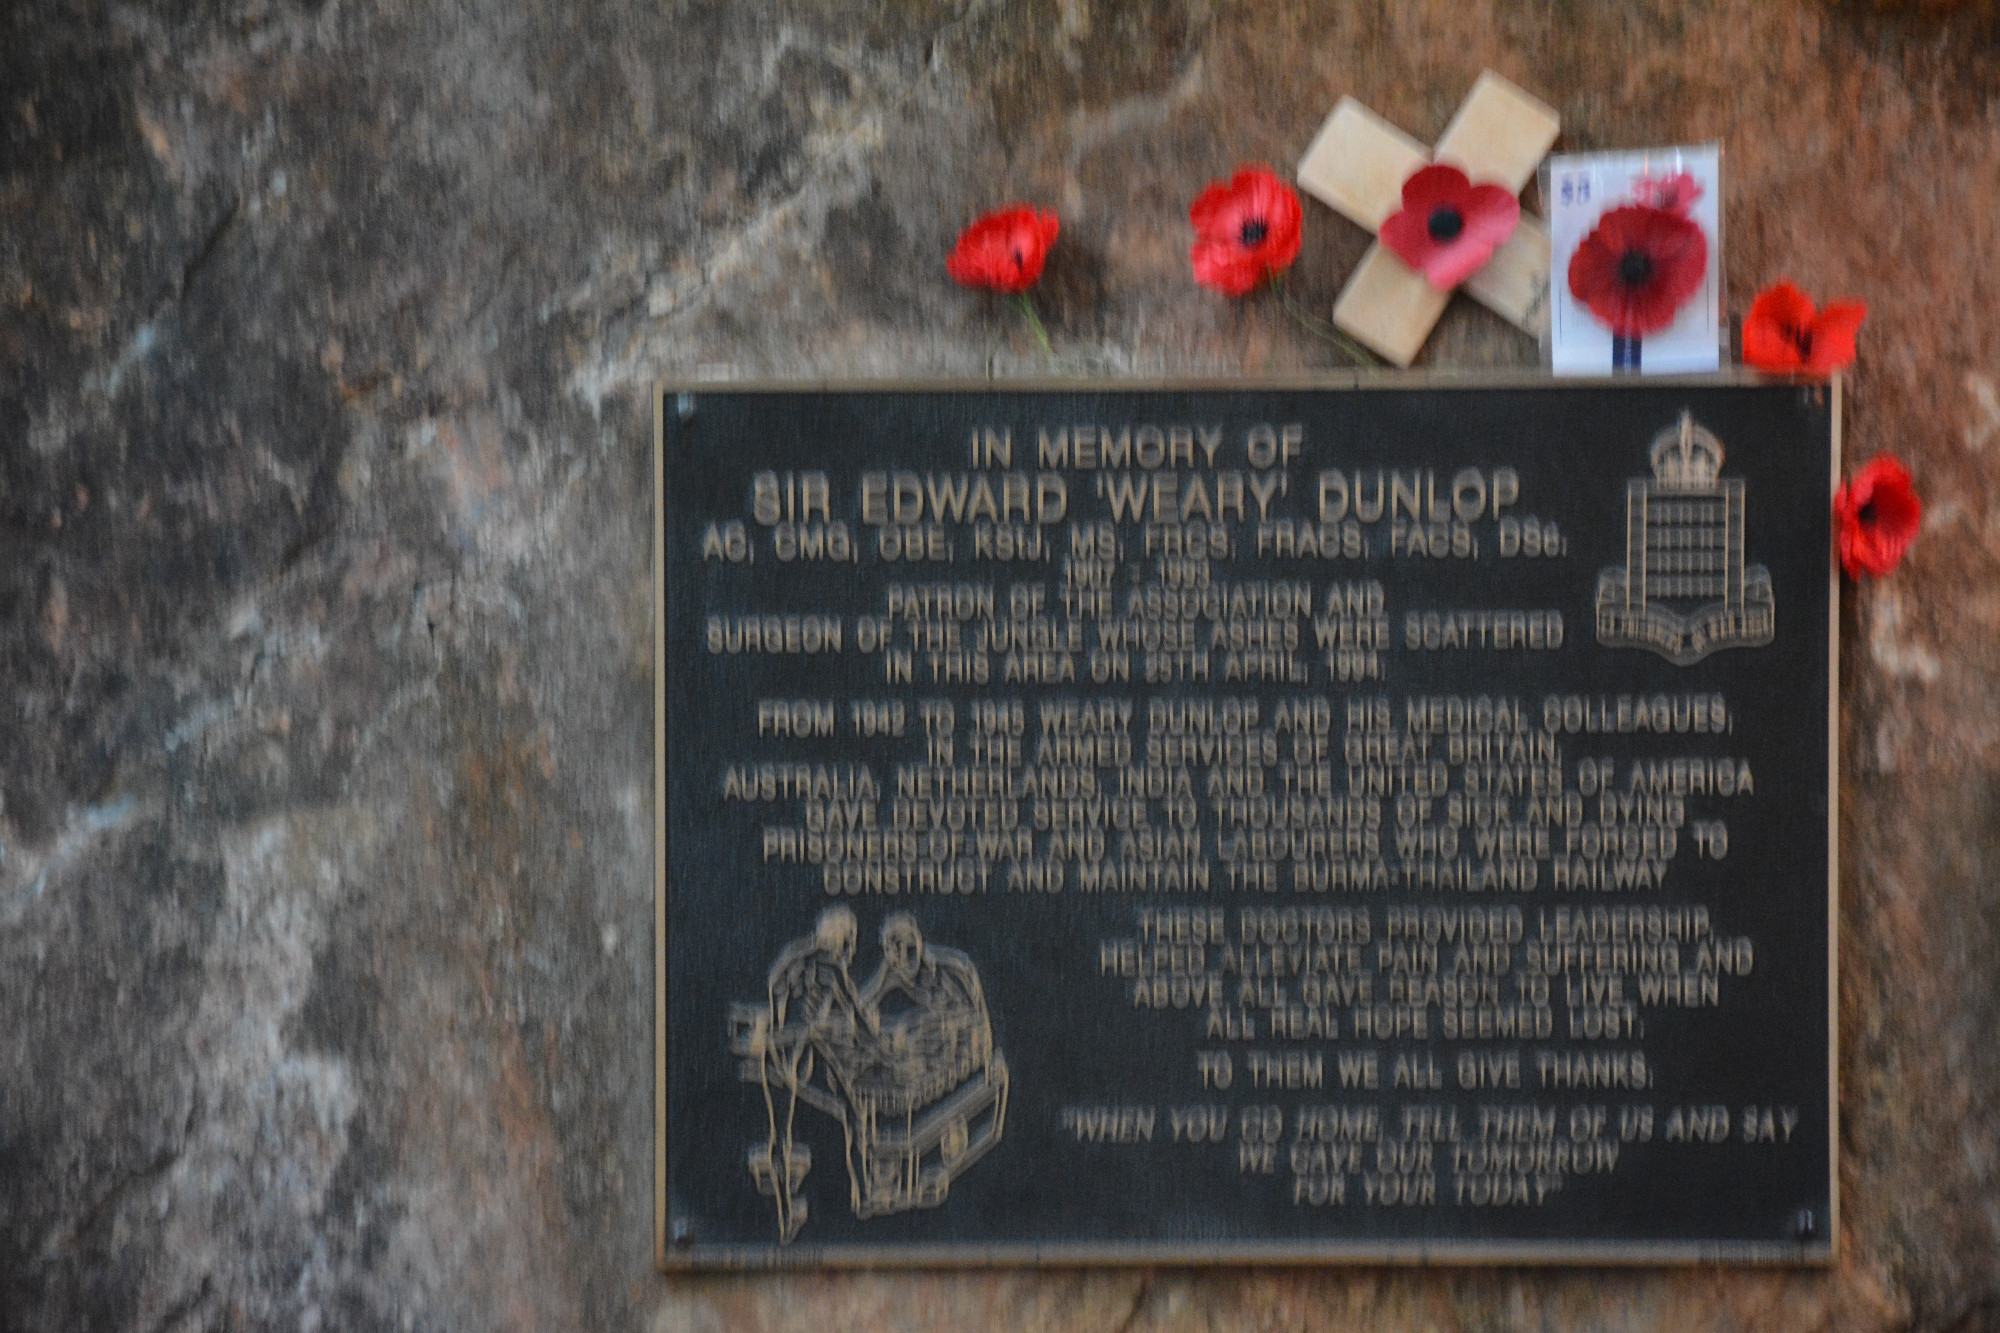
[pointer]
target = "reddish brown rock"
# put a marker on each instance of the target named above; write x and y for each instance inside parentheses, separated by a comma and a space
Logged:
(325, 332)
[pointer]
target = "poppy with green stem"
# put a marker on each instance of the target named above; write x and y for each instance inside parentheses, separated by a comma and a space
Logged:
(1004, 251)
(1247, 232)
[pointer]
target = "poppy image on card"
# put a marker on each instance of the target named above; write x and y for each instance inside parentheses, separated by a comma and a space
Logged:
(1637, 269)
(1676, 193)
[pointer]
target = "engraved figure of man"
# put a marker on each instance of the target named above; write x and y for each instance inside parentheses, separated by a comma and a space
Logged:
(815, 1010)
(930, 1009)
(933, 979)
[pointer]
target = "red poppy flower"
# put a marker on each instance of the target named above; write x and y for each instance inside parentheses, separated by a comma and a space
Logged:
(1004, 250)
(1638, 268)
(1245, 231)
(1676, 194)
(1876, 515)
(1448, 227)
(1782, 335)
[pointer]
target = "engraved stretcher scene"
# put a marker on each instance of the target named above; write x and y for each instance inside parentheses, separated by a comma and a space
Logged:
(904, 1063)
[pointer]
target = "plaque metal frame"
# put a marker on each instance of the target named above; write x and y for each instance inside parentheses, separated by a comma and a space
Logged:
(672, 1255)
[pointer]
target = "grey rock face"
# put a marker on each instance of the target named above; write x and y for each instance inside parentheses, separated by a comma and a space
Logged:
(325, 336)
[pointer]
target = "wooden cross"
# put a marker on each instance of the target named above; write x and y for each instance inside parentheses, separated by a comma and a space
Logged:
(1357, 164)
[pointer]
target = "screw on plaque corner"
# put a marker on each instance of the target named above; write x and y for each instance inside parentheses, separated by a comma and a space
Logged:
(684, 406)
(1805, 1224)
(682, 1231)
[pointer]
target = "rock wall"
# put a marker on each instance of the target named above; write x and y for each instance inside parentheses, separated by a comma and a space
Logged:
(326, 328)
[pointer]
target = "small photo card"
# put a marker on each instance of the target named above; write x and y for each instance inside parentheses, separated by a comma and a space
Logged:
(1636, 271)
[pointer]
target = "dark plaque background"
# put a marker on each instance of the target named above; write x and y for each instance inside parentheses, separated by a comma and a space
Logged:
(1068, 1029)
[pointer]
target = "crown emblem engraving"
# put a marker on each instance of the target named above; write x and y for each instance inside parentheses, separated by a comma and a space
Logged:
(1687, 457)
(1685, 591)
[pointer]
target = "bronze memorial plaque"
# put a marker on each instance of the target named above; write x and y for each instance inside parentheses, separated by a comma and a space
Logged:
(1271, 823)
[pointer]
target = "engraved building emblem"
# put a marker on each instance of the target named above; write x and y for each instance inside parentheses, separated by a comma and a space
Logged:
(904, 1063)
(1684, 591)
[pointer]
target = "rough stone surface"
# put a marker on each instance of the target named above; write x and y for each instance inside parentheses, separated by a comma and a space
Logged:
(325, 332)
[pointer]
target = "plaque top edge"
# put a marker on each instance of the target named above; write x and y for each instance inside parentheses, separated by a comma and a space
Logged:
(1445, 379)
